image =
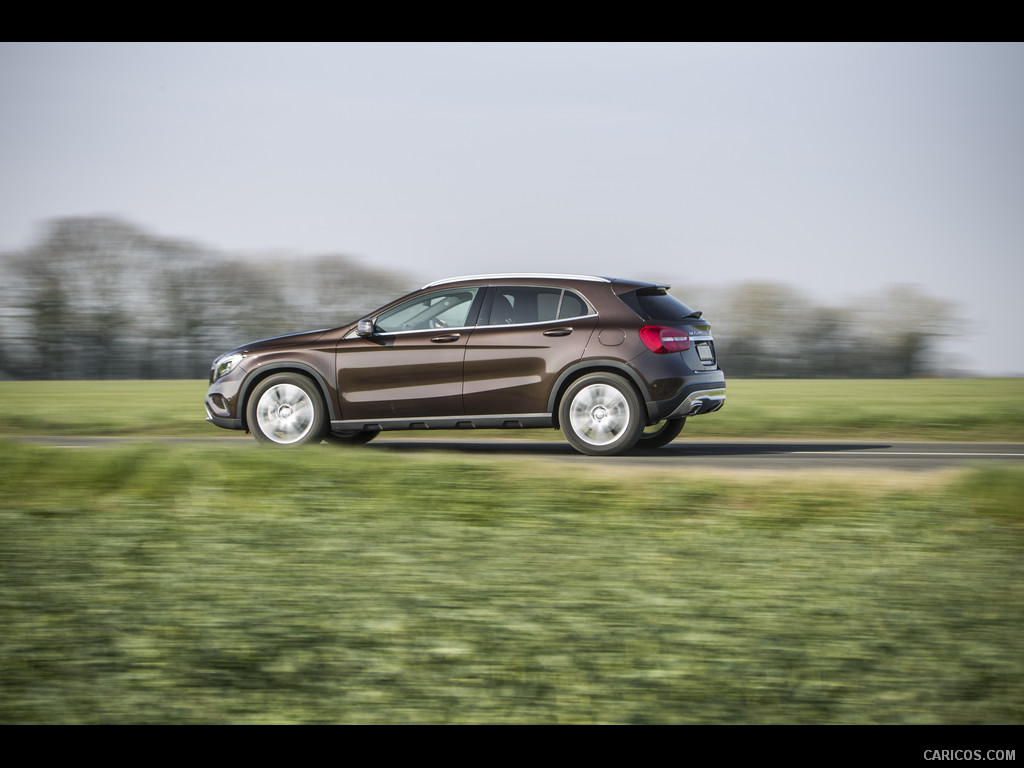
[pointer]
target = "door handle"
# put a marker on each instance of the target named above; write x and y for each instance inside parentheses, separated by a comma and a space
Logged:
(448, 337)
(558, 332)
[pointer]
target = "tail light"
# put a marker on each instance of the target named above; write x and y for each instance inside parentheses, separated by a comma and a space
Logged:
(662, 340)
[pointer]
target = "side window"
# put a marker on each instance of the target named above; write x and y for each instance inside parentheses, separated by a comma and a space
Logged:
(444, 309)
(515, 305)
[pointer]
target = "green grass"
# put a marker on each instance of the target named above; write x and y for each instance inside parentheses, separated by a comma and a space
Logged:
(903, 409)
(116, 408)
(896, 409)
(188, 584)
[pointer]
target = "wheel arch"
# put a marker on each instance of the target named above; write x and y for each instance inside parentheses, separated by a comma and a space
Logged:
(577, 371)
(265, 371)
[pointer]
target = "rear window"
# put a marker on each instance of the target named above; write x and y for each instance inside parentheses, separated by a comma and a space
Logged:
(656, 305)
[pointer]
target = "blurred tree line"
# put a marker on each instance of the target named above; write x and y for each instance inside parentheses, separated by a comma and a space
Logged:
(769, 329)
(99, 298)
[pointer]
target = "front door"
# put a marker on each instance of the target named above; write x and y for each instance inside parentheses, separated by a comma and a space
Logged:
(412, 365)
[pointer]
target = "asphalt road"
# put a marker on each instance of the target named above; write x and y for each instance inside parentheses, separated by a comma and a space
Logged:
(761, 455)
(722, 455)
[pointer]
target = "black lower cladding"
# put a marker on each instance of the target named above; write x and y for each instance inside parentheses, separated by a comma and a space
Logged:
(492, 421)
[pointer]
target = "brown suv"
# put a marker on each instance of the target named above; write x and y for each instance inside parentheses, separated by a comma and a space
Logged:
(613, 363)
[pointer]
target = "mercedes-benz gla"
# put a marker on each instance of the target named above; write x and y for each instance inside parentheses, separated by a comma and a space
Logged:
(612, 363)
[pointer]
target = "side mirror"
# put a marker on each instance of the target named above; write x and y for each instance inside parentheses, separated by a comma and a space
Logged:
(364, 328)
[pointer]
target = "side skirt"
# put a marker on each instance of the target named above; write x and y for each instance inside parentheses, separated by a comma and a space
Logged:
(491, 421)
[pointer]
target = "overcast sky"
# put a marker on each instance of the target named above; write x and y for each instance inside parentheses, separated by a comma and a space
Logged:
(835, 168)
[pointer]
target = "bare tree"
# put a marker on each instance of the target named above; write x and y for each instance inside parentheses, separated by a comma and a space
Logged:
(767, 329)
(100, 298)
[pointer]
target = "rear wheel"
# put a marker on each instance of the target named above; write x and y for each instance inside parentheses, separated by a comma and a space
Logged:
(286, 409)
(356, 437)
(661, 434)
(600, 415)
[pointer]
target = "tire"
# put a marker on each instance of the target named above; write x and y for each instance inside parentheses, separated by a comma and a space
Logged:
(286, 409)
(356, 437)
(601, 415)
(660, 434)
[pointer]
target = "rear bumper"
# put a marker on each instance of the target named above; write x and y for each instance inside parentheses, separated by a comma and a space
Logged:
(700, 402)
(702, 393)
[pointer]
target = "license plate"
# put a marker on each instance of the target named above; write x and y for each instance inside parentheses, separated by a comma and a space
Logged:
(705, 352)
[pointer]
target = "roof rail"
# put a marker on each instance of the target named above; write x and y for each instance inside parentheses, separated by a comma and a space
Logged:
(516, 276)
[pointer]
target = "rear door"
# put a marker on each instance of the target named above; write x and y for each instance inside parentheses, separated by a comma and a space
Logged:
(526, 336)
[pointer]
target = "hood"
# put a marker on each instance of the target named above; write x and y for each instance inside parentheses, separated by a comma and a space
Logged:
(303, 337)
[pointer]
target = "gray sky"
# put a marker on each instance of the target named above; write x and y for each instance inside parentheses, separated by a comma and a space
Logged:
(835, 168)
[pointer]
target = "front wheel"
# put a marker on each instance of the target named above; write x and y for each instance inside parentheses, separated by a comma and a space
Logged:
(661, 434)
(601, 415)
(286, 409)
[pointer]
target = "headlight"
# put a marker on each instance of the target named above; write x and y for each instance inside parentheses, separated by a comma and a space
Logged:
(225, 364)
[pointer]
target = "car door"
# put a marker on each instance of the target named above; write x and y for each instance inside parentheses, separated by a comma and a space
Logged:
(526, 336)
(411, 367)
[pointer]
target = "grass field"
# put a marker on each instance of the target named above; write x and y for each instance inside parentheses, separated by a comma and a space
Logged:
(171, 583)
(899, 409)
(188, 584)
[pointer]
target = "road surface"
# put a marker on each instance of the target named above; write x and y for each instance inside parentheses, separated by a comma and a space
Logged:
(718, 454)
